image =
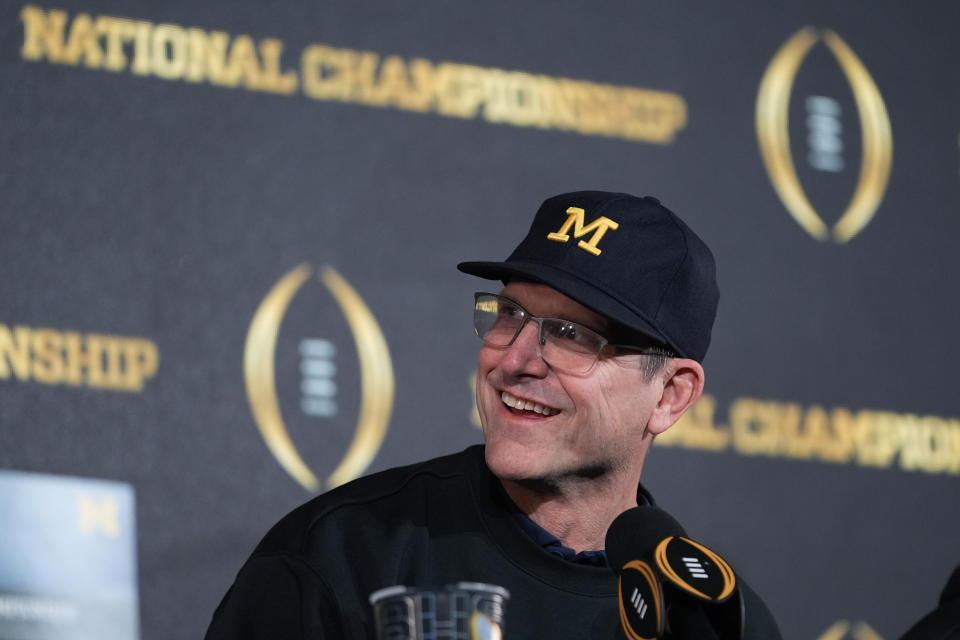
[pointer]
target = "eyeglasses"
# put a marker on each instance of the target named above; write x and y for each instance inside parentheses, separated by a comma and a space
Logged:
(564, 345)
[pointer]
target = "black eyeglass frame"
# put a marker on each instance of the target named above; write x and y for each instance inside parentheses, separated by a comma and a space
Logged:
(656, 349)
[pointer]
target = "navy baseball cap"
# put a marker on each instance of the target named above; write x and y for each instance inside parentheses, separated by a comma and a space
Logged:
(627, 258)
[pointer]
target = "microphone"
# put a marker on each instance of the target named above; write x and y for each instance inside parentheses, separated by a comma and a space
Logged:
(669, 583)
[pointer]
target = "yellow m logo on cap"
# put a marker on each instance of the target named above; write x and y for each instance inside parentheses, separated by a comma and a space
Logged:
(575, 219)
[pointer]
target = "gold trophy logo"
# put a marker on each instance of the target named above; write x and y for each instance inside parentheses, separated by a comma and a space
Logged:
(376, 379)
(773, 101)
(843, 629)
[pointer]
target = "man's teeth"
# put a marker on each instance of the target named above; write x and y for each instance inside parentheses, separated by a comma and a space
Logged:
(526, 405)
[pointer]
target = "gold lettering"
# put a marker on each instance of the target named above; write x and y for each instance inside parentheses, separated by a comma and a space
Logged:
(928, 444)
(53, 357)
(652, 115)
(425, 84)
(845, 424)
(757, 426)
(112, 369)
(954, 466)
(243, 68)
(208, 57)
(592, 108)
(460, 90)
(141, 359)
(751, 431)
(141, 64)
(43, 33)
(814, 437)
(117, 32)
(323, 72)
(271, 77)
(83, 43)
(102, 516)
(173, 52)
(876, 438)
(15, 350)
(833, 443)
(73, 356)
(514, 97)
(91, 360)
(168, 55)
(575, 218)
(614, 109)
(363, 70)
(869, 438)
(393, 87)
(696, 429)
(576, 93)
(103, 361)
(786, 421)
(47, 356)
(339, 74)
(915, 454)
(559, 103)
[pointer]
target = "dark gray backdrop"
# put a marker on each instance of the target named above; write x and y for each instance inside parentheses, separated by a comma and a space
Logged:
(166, 210)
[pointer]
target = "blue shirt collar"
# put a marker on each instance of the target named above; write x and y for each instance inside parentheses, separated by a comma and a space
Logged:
(552, 544)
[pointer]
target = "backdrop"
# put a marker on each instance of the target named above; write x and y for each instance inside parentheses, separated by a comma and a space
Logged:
(229, 236)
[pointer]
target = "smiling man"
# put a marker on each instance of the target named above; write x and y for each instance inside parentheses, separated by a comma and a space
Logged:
(630, 293)
(591, 348)
(567, 426)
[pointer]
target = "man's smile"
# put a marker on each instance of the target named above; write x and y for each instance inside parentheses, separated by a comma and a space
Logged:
(519, 404)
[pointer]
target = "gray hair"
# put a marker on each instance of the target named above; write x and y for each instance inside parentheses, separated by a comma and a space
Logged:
(652, 363)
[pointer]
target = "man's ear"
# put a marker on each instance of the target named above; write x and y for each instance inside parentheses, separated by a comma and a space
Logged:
(682, 384)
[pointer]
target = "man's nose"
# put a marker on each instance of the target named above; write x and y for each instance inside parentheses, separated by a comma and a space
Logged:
(524, 356)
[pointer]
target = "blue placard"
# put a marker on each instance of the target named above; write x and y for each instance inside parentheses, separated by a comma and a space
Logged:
(68, 567)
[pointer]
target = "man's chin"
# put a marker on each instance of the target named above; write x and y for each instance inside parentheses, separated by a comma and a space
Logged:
(540, 470)
(510, 460)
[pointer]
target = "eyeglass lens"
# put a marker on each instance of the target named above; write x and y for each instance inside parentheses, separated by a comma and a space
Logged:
(568, 345)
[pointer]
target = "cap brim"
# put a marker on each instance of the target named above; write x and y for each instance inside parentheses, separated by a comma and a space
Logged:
(571, 286)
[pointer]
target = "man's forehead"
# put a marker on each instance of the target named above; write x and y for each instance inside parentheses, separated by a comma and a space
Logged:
(545, 301)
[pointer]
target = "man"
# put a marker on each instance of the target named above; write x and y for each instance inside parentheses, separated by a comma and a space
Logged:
(593, 346)
(943, 623)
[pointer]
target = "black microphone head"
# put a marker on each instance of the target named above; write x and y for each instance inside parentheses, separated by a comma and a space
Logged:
(631, 539)
(636, 532)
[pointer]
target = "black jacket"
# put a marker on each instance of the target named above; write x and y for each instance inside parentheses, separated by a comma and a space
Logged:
(431, 524)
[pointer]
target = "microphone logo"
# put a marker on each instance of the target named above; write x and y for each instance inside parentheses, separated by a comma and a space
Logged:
(641, 601)
(695, 569)
(638, 603)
